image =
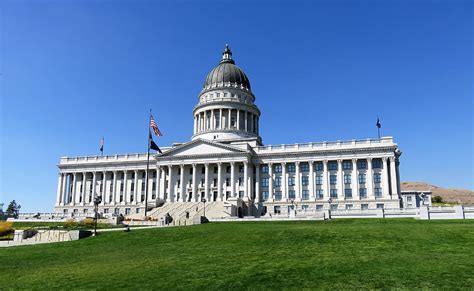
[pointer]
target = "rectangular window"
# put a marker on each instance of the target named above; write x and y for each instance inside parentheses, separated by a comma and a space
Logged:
(319, 166)
(377, 163)
(347, 178)
(264, 182)
(333, 193)
(333, 179)
(127, 211)
(277, 169)
(291, 181)
(241, 194)
(132, 187)
(377, 177)
(408, 198)
(264, 169)
(348, 193)
(304, 180)
(363, 192)
(349, 206)
(277, 209)
(241, 169)
(379, 205)
(291, 194)
(304, 207)
(203, 170)
(305, 194)
(319, 194)
(319, 207)
(143, 175)
(304, 167)
(333, 207)
(362, 178)
(291, 168)
(214, 183)
(319, 179)
(265, 195)
(277, 181)
(364, 206)
(278, 195)
(106, 210)
(215, 170)
(190, 171)
(137, 210)
(332, 166)
(378, 192)
(202, 182)
(227, 169)
(227, 182)
(362, 164)
(347, 165)
(241, 181)
(143, 186)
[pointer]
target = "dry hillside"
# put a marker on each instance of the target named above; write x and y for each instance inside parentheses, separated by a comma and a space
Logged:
(450, 195)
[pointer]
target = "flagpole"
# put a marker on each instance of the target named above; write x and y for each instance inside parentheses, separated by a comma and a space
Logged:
(147, 165)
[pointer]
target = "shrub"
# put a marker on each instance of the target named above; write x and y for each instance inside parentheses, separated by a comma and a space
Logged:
(70, 223)
(88, 222)
(437, 199)
(5, 228)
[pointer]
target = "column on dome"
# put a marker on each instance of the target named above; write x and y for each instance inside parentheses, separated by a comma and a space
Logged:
(326, 180)
(393, 177)
(58, 192)
(297, 181)
(270, 182)
(220, 119)
(181, 182)
(312, 195)
(229, 119)
(206, 181)
(170, 191)
(340, 180)
(385, 185)
(232, 179)
(370, 181)
(354, 180)
(219, 182)
(284, 182)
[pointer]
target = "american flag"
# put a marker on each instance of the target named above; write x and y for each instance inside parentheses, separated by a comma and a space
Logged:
(153, 126)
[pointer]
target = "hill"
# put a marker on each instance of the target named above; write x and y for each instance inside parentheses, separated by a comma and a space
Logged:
(450, 195)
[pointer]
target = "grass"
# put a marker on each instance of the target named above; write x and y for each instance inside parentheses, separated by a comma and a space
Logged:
(348, 254)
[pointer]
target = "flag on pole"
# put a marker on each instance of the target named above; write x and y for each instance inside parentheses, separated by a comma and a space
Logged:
(378, 123)
(153, 126)
(153, 145)
(102, 145)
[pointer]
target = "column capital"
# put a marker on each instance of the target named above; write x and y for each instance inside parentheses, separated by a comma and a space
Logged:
(384, 159)
(232, 163)
(297, 162)
(181, 166)
(194, 165)
(325, 162)
(392, 159)
(169, 166)
(206, 165)
(369, 159)
(354, 160)
(339, 161)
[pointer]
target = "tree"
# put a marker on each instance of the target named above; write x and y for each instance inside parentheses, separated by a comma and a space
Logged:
(13, 209)
(437, 199)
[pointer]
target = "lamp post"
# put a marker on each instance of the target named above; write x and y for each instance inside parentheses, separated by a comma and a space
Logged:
(97, 201)
(204, 201)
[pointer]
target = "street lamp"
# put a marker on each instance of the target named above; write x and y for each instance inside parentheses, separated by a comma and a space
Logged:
(97, 201)
(204, 201)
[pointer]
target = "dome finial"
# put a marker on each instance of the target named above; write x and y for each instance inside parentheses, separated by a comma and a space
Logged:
(227, 55)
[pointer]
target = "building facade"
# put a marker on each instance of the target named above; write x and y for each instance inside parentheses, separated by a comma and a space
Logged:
(226, 163)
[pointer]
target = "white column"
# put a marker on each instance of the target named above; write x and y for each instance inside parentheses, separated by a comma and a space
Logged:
(393, 178)
(84, 186)
(158, 181)
(312, 195)
(63, 193)
(114, 188)
(219, 182)
(205, 120)
(297, 182)
(73, 193)
(385, 185)
(326, 187)
(181, 182)
(369, 182)
(136, 189)
(230, 117)
(257, 183)
(284, 183)
(170, 176)
(355, 181)
(104, 187)
(246, 178)
(94, 181)
(124, 187)
(58, 192)
(246, 122)
(220, 118)
(238, 119)
(194, 183)
(340, 180)
(206, 182)
(232, 179)
(270, 182)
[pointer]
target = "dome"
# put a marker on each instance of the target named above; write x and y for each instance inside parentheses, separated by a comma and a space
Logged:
(227, 74)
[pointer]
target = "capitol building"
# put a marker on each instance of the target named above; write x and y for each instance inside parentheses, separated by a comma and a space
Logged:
(225, 170)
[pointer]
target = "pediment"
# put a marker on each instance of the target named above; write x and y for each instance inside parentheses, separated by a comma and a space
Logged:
(201, 147)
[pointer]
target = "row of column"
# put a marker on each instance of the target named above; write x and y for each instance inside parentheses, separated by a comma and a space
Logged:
(225, 118)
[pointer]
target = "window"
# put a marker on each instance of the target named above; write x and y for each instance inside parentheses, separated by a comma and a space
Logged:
(291, 194)
(363, 192)
(379, 205)
(227, 182)
(132, 187)
(408, 198)
(241, 181)
(319, 207)
(117, 211)
(277, 209)
(143, 175)
(347, 165)
(143, 186)
(333, 193)
(332, 166)
(241, 194)
(347, 178)
(133, 175)
(377, 177)
(203, 170)
(377, 163)
(264, 182)
(214, 183)
(291, 168)
(364, 206)
(154, 173)
(265, 195)
(319, 179)
(241, 169)
(278, 195)
(227, 169)
(277, 181)
(137, 210)
(305, 195)
(225, 94)
(218, 94)
(86, 210)
(277, 168)
(291, 181)
(333, 206)
(264, 169)
(215, 170)
(202, 182)
(304, 167)
(319, 194)
(348, 193)
(106, 210)
(362, 178)
(304, 207)
(319, 166)
(349, 206)
(127, 211)
(378, 192)
(333, 179)
(304, 180)
(361, 164)
(190, 171)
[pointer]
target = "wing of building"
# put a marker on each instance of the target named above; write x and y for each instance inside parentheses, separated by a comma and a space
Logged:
(226, 165)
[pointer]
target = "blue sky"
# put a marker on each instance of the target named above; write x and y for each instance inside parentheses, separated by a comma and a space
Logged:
(74, 71)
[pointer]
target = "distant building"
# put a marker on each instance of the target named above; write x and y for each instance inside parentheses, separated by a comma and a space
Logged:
(415, 199)
(227, 164)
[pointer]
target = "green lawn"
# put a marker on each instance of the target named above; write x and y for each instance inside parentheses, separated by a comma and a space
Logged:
(356, 253)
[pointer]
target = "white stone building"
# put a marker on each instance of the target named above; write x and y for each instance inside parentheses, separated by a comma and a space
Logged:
(226, 164)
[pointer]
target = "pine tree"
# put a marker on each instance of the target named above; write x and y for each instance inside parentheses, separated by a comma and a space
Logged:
(13, 209)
